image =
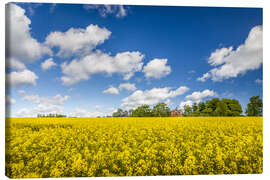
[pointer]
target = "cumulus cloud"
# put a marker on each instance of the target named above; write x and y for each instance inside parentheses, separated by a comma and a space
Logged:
(36, 99)
(20, 78)
(78, 112)
(127, 86)
(77, 41)
(217, 57)
(47, 64)
(229, 63)
(157, 68)
(111, 90)
(105, 10)
(43, 105)
(20, 45)
(125, 63)
(204, 77)
(197, 97)
(15, 64)
(150, 97)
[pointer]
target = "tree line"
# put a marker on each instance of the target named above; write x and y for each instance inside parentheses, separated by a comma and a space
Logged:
(51, 115)
(213, 107)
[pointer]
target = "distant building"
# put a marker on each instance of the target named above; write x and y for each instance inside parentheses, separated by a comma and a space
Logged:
(176, 113)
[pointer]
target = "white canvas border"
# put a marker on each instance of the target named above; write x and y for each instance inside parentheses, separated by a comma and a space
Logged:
(213, 3)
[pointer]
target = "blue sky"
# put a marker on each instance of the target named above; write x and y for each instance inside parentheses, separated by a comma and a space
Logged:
(88, 60)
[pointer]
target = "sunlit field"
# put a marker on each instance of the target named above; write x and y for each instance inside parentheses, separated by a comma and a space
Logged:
(81, 147)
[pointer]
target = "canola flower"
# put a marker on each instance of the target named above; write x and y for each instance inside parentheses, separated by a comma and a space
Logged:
(86, 147)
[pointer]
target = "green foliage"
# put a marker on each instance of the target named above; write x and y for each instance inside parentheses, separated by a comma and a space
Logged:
(120, 113)
(161, 110)
(254, 107)
(142, 111)
(51, 115)
(214, 107)
(201, 107)
(187, 110)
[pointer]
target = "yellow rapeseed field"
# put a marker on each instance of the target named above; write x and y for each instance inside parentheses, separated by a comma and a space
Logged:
(80, 147)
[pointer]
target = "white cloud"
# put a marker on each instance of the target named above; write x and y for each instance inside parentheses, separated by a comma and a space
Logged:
(157, 68)
(258, 81)
(21, 46)
(127, 86)
(204, 77)
(10, 100)
(151, 97)
(78, 112)
(197, 97)
(191, 71)
(125, 63)
(40, 109)
(111, 90)
(168, 102)
(217, 57)
(22, 92)
(105, 10)
(25, 77)
(44, 105)
(36, 99)
(230, 63)
(77, 41)
(15, 64)
(186, 103)
(32, 8)
(47, 64)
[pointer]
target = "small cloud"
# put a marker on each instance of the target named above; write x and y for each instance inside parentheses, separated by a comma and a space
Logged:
(48, 64)
(21, 78)
(118, 11)
(191, 72)
(22, 92)
(152, 96)
(197, 97)
(258, 81)
(32, 7)
(111, 90)
(204, 77)
(227, 94)
(127, 86)
(78, 112)
(157, 68)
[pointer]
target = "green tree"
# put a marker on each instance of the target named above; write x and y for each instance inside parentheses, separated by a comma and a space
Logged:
(118, 113)
(142, 111)
(207, 111)
(234, 108)
(221, 109)
(201, 107)
(161, 110)
(254, 107)
(195, 109)
(212, 105)
(187, 110)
